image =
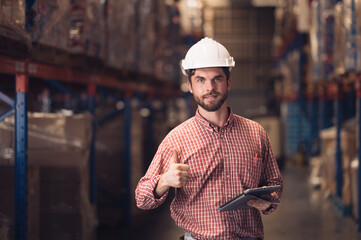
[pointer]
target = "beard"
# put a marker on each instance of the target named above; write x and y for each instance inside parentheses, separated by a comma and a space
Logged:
(215, 104)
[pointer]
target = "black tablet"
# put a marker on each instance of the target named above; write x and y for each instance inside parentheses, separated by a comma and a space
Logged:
(253, 193)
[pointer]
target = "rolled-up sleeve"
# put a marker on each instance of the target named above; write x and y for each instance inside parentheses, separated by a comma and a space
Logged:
(144, 193)
(271, 174)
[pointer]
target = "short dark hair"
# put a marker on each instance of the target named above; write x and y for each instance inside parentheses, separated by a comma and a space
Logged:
(190, 73)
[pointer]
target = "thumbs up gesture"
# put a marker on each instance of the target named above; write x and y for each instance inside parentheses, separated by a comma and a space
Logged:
(176, 176)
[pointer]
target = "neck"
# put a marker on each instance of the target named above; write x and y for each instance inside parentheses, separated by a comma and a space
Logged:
(218, 118)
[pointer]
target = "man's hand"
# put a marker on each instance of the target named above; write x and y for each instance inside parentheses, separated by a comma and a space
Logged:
(260, 204)
(176, 176)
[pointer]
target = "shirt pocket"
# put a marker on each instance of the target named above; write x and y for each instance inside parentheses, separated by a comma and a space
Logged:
(250, 169)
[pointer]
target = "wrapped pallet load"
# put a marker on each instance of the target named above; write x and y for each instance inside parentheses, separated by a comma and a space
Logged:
(328, 158)
(49, 23)
(354, 186)
(349, 152)
(168, 50)
(58, 176)
(121, 35)
(339, 47)
(14, 40)
(358, 32)
(87, 33)
(146, 37)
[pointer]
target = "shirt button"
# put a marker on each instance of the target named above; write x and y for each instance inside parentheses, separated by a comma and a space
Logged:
(228, 176)
(226, 155)
(229, 195)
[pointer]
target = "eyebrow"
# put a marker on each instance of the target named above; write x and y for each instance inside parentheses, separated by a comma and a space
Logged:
(201, 77)
(218, 76)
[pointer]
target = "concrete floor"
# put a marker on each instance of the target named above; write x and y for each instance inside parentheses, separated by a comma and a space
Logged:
(304, 213)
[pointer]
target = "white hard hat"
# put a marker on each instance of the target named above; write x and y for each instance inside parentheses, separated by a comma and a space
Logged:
(207, 53)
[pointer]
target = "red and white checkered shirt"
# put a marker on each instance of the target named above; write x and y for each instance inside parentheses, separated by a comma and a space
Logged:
(223, 162)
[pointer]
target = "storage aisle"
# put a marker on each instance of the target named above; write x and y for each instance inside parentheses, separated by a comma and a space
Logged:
(302, 214)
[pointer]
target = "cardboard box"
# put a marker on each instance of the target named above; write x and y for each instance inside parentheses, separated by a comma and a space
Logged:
(349, 152)
(328, 156)
(48, 131)
(354, 187)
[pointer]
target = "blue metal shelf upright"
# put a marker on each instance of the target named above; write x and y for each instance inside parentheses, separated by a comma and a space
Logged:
(19, 108)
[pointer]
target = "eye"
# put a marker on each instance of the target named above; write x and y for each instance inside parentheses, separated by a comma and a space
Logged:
(200, 80)
(218, 79)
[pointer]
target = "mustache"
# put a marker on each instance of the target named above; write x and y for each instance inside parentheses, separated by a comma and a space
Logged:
(211, 94)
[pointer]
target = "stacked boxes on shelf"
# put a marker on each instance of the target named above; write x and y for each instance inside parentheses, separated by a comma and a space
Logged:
(354, 186)
(49, 22)
(146, 36)
(14, 40)
(339, 47)
(121, 35)
(315, 45)
(58, 176)
(168, 51)
(60, 28)
(336, 27)
(137, 36)
(327, 39)
(87, 30)
(328, 162)
(328, 155)
(349, 20)
(349, 152)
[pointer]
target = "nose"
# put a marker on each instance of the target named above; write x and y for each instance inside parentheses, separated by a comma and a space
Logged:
(210, 86)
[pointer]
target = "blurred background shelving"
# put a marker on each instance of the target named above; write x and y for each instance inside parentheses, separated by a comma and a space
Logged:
(89, 88)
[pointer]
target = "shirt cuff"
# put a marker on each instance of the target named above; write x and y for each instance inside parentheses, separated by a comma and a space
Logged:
(154, 183)
(270, 209)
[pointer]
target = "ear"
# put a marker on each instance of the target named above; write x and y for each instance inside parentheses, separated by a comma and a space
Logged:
(190, 87)
(229, 83)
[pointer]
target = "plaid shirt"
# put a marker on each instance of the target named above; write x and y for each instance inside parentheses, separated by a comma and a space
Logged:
(223, 163)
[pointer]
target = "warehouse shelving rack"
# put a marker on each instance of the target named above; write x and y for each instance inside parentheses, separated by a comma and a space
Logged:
(23, 69)
(298, 130)
(333, 105)
(329, 105)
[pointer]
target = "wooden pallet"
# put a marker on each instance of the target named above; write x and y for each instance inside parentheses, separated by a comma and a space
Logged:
(83, 62)
(48, 54)
(12, 47)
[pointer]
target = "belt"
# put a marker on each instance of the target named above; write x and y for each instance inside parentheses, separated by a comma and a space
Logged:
(188, 236)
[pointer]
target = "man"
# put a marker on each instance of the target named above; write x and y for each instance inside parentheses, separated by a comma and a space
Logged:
(212, 157)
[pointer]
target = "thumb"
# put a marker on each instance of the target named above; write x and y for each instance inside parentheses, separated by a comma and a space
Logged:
(174, 158)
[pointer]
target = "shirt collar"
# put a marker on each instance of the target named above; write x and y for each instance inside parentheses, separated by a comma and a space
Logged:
(208, 125)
